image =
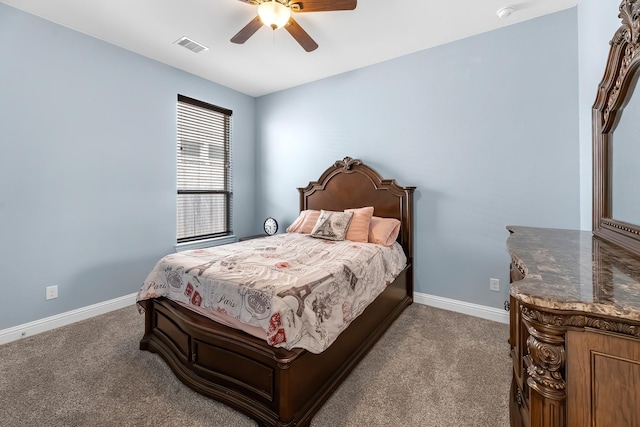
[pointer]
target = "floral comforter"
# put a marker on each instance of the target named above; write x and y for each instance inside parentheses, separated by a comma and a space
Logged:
(302, 291)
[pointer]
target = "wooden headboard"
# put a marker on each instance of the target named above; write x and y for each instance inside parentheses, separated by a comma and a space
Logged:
(349, 183)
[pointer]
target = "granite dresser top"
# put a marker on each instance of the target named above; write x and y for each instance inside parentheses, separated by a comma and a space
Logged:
(572, 270)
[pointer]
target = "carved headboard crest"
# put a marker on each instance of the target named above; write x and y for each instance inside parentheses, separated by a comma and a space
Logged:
(347, 163)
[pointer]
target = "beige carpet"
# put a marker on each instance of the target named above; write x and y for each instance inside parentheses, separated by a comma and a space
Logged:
(432, 368)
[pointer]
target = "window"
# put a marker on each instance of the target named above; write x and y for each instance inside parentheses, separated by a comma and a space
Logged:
(204, 171)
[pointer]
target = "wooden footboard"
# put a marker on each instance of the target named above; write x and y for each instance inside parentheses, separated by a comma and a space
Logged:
(276, 387)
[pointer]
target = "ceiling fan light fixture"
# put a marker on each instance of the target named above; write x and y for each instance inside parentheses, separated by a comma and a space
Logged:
(274, 14)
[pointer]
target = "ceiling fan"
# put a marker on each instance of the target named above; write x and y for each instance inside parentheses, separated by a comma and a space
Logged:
(277, 14)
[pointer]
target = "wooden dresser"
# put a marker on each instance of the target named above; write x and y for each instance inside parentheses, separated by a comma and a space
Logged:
(575, 330)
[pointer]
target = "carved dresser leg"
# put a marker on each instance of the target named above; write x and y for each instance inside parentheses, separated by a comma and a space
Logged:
(545, 362)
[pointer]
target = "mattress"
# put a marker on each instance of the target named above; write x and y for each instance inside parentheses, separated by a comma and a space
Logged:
(293, 290)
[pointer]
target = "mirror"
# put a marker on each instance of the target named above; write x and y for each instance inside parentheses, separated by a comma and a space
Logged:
(625, 155)
(616, 138)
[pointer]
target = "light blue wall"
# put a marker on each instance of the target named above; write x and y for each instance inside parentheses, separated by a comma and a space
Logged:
(486, 128)
(493, 130)
(597, 22)
(87, 165)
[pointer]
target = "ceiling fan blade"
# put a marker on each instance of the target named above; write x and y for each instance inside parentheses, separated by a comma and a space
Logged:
(300, 35)
(322, 5)
(249, 29)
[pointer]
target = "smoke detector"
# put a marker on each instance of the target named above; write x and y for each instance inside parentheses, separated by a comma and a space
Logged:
(505, 12)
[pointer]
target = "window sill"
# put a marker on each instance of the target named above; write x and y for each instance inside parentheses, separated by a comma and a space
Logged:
(207, 243)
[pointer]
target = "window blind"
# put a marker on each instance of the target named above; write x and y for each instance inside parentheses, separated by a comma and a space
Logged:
(204, 204)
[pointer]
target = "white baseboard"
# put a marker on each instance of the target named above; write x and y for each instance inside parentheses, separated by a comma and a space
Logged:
(62, 319)
(482, 311)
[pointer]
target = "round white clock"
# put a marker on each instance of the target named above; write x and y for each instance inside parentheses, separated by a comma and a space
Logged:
(270, 226)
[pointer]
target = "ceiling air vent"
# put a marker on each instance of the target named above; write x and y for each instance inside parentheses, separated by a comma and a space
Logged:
(191, 45)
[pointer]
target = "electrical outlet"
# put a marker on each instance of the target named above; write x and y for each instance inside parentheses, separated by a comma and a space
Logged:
(494, 285)
(52, 292)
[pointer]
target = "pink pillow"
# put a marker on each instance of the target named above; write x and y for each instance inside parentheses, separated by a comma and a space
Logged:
(305, 222)
(358, 230)
(383, 231)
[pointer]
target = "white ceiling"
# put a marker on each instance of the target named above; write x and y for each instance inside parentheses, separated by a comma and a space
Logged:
(270, 61)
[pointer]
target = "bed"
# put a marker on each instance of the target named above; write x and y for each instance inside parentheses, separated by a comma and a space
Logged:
(273, 385)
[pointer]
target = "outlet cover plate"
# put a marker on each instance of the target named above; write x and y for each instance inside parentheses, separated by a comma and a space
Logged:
(52, 292)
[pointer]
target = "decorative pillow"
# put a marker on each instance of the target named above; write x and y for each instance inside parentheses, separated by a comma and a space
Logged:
(383, 231)
(358, 230)
(305, 222)
(332, 225)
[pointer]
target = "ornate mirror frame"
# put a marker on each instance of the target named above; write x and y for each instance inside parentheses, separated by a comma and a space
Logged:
(613, 92)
